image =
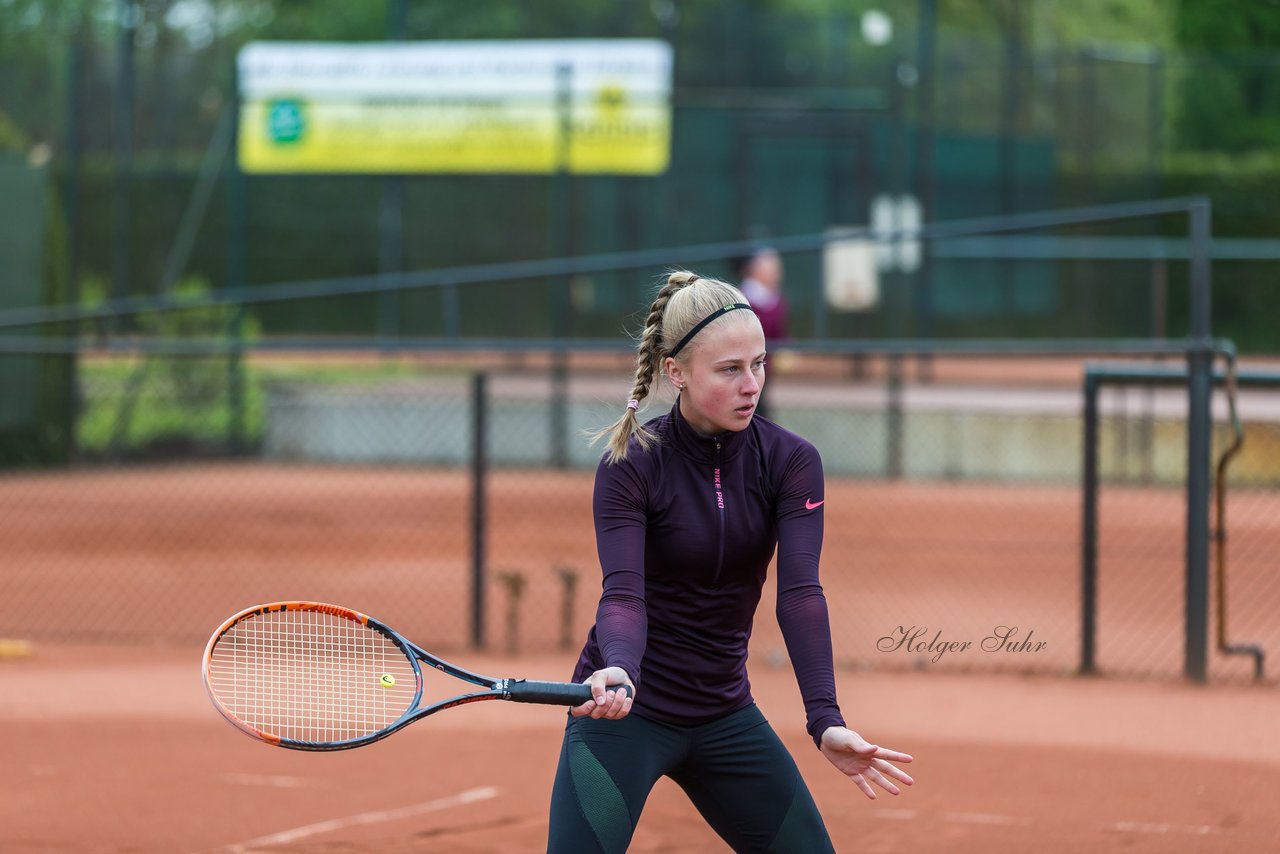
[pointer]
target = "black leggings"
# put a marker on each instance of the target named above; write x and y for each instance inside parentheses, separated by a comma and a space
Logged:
(735, 770)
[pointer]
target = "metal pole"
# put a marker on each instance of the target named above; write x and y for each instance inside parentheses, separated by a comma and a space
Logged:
(1086, 117)
(1089, 121)
(1089, 531)
(235, 277)
(562, 307)
(895, 184)
(926, 56)
(235, 382)
(391, 209)
(1010, 107)
(584, 264)
(833, 188)
(451, 309)
(479, 470)
(123, 154)
(390, 252)
(1158, 328)
(893, 418)
(75, 223)
(1159, 293)
(1155, 116)
(1199, 426)
(75, 156)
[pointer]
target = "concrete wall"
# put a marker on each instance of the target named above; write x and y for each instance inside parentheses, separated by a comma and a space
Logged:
(372, 426)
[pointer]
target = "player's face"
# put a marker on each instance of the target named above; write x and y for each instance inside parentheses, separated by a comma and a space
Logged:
(722, 377)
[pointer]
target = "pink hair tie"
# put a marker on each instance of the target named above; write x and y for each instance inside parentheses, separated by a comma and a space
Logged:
(633, 404)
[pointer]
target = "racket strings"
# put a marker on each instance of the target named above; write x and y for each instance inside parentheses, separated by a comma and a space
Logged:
(309, 676)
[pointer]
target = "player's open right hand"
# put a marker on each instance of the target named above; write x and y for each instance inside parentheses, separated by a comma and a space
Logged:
(608, 702)
(864, 763)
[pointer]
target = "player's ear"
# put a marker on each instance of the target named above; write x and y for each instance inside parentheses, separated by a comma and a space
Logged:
(673, 372)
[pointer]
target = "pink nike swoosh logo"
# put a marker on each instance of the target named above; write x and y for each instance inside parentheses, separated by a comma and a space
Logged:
(809, 505)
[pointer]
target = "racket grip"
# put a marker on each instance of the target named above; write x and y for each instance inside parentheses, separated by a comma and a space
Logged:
(553, 693)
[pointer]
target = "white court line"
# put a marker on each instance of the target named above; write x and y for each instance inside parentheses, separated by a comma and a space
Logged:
(483, 793)
(1144, 827)
(986, 818)
(1022, 821)
(275, 781)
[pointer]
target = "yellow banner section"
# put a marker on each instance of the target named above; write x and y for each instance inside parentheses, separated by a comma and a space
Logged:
(606, 135)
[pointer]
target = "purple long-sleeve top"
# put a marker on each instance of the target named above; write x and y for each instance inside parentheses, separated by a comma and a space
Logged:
(685, 533)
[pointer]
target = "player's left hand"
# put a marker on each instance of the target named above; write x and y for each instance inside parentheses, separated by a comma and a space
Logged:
(607, 702)
(864, 763)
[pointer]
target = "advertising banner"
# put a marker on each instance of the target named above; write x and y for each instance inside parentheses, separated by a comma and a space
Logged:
(582, 106)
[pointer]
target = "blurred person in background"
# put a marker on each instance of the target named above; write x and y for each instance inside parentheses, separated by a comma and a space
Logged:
(760, 278)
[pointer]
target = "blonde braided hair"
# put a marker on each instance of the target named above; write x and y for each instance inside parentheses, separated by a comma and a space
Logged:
(682, 301)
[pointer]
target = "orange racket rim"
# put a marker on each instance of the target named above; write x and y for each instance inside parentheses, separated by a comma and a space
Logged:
(256, 611)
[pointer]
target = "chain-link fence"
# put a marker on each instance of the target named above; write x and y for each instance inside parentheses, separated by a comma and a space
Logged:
(952, 514)
(793, 123)
(1141, 568)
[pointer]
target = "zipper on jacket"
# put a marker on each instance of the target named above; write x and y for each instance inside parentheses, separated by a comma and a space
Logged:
(719, 487)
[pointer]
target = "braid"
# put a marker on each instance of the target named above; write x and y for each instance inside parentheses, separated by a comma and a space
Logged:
(649, 355)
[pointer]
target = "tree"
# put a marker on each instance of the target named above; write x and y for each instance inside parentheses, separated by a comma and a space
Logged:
(1231, 97)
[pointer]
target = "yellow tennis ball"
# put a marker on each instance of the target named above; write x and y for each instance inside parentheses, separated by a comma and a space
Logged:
(387, 680)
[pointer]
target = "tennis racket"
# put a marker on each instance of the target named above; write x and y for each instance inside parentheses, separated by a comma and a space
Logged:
(311, 676)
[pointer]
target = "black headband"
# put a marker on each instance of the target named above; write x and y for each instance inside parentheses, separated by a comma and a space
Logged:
(724, 309)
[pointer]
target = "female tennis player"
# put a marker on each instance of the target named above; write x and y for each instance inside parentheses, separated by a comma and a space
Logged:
(689, 509)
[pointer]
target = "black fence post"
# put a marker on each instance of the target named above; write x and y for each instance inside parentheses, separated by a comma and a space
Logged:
(562, 239)
(237, 264)
(73, 207)
(893, 417)
(479, 471)
(1199, 427)
(1089, 531)
(391, 211)
(235, 383)
(122, 160)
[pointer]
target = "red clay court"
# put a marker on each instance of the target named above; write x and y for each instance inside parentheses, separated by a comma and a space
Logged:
(113, 746)
(115, 750)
